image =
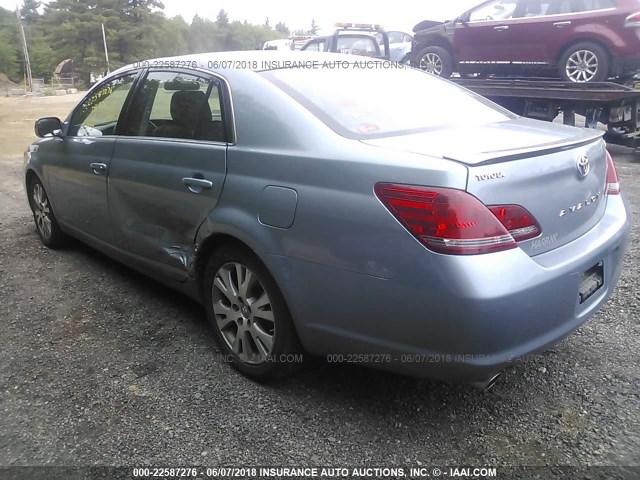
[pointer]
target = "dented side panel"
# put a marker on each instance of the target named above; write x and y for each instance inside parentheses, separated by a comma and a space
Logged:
(155, 214)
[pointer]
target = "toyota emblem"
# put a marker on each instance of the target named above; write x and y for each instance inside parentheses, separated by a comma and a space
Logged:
(584, 167)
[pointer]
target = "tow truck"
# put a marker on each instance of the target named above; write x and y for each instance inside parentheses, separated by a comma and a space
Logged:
(616, 105)
(353, 38)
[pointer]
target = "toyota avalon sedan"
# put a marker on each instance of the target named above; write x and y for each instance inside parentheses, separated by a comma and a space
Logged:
(312, 209)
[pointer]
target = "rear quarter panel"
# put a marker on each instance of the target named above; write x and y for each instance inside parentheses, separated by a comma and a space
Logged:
(338, 223)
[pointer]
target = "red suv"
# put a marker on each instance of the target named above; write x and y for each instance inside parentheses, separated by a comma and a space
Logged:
(578, 40)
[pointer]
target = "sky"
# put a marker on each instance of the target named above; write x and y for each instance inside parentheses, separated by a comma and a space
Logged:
(297, 14)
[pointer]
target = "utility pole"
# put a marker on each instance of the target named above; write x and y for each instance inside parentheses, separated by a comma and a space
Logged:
(27, 63)
(106, 52)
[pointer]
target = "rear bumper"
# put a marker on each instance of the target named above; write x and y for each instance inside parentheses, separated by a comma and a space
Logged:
(456, 318)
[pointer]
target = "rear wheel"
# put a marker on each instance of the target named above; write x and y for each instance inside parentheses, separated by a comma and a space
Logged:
(585, 62)
(45, 220)
(436, 61)
(250, 319)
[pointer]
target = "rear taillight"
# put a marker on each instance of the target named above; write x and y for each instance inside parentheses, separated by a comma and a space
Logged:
(518, 222)
(445, 220)
(633, 20)
(613, 185)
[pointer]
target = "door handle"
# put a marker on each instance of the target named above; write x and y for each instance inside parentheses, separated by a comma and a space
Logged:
(98, 167)
(561, 24)
(501, 28)
(196, 185)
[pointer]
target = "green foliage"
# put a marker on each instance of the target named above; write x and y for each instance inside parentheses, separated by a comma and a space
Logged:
(29, 11)
(9, 47)
(314, 27)
(223, 18)
(282, 29)
(135, 30)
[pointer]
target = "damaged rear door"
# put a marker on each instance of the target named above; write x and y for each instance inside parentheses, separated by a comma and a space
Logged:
(168, 169)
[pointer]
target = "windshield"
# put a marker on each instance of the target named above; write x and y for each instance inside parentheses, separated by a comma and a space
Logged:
(367, 102)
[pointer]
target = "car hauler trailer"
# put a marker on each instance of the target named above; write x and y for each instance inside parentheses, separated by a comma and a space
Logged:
(615, 105)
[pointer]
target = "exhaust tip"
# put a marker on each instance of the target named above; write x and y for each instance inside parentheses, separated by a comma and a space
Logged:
(486, 385)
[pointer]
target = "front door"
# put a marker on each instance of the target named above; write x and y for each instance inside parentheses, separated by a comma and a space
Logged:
(81, 159)
(485, 37)
(168, 169)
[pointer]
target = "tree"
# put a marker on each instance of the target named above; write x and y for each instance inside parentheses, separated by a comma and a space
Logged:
(9, 47)
(282, 28)
(222, 18)
(74, 29)
(173, 38)
(29, 11)
(314, 27)
(204, 36)
(135, 30)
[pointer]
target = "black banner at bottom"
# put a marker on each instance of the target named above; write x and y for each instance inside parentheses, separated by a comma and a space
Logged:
(320, 473)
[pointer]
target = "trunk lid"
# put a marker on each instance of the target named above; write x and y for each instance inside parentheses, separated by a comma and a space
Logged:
(527, 163)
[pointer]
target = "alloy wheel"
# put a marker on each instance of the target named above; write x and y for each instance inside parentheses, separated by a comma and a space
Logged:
(41, 211)
(243, 313)
(431, 63)
(582, 66)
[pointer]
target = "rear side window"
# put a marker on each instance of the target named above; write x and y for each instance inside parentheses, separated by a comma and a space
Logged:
(358, 45)
(359, 102)
(178, 105)
(587, 5)
(538, 8)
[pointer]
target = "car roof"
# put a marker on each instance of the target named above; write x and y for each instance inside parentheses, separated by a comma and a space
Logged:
(249, 60)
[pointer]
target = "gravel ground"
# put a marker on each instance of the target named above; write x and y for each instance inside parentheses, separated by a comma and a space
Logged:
(102, 366)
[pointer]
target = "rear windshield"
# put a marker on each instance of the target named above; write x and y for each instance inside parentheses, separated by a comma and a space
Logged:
(372, 102)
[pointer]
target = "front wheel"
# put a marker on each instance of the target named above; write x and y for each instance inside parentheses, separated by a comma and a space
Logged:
(45, 220)
(436, 61)
(584, 63)
(250, 319)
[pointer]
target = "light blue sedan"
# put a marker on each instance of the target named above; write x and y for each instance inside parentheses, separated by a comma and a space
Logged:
(311, 208)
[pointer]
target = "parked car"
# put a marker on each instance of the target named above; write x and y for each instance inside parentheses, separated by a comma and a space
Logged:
(309, 212)
(353, 39)
(281, 44)
(576, 40)
(399, 45)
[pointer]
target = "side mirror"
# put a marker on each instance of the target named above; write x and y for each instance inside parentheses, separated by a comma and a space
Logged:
(462, 20)
(48, 126)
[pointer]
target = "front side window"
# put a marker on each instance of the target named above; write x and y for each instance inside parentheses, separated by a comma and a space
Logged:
(317, 46)
(177, 105)
(98, 115)
(497, 10)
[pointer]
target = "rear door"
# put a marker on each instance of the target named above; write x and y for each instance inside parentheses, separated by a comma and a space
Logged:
(542, 28)
(486, 34)
(78, 173)
(168, 170)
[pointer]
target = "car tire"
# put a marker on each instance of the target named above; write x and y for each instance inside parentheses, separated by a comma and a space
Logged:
(250, 319)
(585, 62)
(43, 216)
(435, 60)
